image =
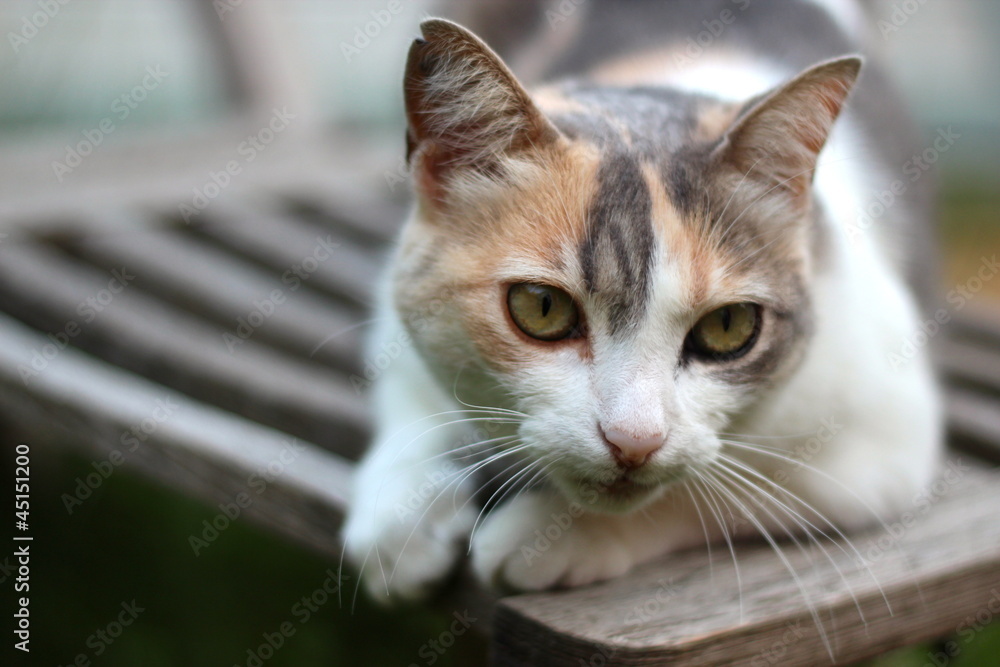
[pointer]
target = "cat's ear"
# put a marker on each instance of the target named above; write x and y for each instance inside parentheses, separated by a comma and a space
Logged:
(779, 138)
(464, 108)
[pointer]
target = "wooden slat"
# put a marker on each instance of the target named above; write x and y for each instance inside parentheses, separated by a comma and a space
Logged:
(971, 363)
(974, 422)
(222, 288)
(977, 322)
(120, 175)
(281, 241)
(367, 212)
(680, 612)
(45, 287)
(194, 447)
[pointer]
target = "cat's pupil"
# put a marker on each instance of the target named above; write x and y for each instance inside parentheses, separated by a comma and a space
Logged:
(727, 318)
(546, 305)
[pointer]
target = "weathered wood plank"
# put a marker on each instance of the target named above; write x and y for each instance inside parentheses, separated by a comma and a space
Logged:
(974, 422)
(971, 364)
(933, 574)
(368, 212)
(121, 176)
(281, 242)
(46, 288)
(977, 322)
(299, 491)
(223, 288)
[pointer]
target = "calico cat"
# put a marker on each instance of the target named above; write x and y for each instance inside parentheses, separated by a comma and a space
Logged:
(642, 288)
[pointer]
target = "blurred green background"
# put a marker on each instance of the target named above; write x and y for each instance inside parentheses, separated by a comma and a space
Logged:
(130, 539)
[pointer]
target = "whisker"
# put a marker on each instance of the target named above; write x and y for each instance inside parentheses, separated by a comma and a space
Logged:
(788, 436)
(459, 479)
(378, 494)
(704, 529)
(762, 529)
(341, 332)
(747, 487)
(769, 451)
(705, 491)
(492, 479)
(488, 504)
(836, 529)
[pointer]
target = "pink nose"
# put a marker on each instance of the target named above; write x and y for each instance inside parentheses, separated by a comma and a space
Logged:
(630, 450)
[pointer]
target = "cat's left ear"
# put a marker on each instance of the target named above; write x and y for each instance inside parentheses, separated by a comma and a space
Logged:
(465, 110)
(780, 137)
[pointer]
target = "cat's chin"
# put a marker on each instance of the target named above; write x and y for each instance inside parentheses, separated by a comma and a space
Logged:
(618, 497)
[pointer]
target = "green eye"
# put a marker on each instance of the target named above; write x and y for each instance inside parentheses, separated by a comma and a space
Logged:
(725, 333)
(542, 311)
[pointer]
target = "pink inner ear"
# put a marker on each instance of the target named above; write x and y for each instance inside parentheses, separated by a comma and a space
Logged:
(830, 95)
(784, 135)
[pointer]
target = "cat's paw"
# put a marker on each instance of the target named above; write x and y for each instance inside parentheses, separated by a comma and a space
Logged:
(400, 552)
(538, 542)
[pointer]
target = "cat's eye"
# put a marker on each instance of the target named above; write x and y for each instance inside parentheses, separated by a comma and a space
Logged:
(725, 333)
(542, 311)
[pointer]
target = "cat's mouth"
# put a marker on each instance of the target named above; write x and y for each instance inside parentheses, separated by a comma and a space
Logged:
(625, 488)
(622, 494)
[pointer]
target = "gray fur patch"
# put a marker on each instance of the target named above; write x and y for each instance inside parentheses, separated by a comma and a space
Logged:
(617, 254)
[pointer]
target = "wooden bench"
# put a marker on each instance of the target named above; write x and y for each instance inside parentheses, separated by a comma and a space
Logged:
(238, 403)
(161, 339)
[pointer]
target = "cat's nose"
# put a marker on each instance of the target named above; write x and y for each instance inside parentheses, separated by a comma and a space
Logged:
(629, 449)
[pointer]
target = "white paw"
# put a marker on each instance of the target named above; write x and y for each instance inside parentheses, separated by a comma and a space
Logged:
(402, 549)
(537, 542)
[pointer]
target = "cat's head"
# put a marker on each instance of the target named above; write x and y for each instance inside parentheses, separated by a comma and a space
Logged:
(628, 267)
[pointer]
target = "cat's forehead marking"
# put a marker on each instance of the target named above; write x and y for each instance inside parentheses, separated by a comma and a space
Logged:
(688, 256)
(617, 252)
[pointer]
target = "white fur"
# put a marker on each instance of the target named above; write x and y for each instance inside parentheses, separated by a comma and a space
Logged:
(725, 76)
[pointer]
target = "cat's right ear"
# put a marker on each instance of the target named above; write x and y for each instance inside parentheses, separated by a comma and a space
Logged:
(465, 110)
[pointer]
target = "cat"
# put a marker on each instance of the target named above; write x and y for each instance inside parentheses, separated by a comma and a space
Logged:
(642, 287)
